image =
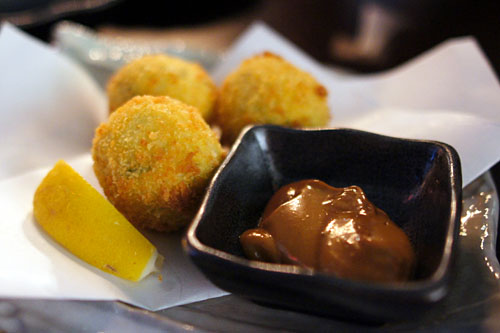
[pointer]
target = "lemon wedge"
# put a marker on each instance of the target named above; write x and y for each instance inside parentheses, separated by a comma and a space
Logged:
(79, 218)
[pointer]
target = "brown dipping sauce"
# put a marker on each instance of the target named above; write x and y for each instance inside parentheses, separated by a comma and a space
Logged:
(333, 230)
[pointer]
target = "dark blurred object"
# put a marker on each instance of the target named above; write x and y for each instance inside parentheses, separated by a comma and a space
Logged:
(361, 35)
(12, 6)
(140, 14)
(374, 35)
(30, 13)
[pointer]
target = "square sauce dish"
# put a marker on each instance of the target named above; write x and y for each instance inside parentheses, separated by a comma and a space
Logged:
(417, 183)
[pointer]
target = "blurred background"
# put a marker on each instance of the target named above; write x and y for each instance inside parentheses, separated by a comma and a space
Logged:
(364, 36)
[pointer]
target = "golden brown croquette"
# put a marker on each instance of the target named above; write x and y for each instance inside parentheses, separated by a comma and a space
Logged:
(266, 89)
(163, 75)
(154, 158)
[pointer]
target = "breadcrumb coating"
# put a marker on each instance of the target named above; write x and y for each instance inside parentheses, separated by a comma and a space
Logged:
(154, 158)
(163, 75)
(266, 89)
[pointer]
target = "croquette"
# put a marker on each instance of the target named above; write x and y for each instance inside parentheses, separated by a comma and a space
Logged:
(154, 158)
(266, 89)
(163, 75)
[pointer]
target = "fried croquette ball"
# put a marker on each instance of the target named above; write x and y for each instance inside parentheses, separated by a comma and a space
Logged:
(163, 75)
(154, 158)
(266, 89)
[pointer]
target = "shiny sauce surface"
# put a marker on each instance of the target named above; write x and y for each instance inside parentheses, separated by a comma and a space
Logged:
(333, 230)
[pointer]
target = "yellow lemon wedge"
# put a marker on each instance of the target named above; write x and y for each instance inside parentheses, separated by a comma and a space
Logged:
(79, 218)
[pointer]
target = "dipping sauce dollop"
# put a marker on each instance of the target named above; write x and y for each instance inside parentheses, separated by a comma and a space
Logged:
(333, 230)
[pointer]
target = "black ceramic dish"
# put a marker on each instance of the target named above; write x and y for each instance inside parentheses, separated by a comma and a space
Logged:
(418, 183)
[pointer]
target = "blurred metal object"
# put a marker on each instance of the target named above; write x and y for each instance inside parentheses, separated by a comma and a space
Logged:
(375, 35)
(104, 55)
(376, 28)
(33, 12)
